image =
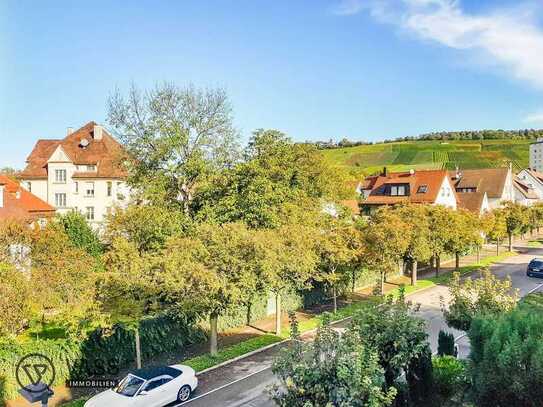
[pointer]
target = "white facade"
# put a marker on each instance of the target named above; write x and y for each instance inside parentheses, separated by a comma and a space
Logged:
(508, 193)
(532, 181)
(446, 195)
(66, 189)
(536, 155)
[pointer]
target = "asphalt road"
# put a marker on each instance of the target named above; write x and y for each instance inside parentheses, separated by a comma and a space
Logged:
(250, 389)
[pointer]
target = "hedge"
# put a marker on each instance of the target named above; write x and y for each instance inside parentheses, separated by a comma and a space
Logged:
(102, 353)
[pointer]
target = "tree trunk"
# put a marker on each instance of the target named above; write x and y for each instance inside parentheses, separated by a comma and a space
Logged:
(248, 315)
(334, 294)
(457, 260)
(497, 247)
(414, 266)
(478, 255)
(382, 284)
(354, 281)
(278, 314)
(510, 242)
(138, 347)
(213, 318)
(438, 265)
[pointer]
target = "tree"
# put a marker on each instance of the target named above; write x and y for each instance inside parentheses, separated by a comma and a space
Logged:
(275, 175)
(146, 226)
(440, 224)
(338, 247)
(472, 297)
(211, 273)
(334, 370)
(494, 227)
(174, 138)
(465, 234)
(418, 236)
(288, 260)
(80, 233)
(384, 242)
(515, 220)
(15, 301)
(398, 337)
(506, 358)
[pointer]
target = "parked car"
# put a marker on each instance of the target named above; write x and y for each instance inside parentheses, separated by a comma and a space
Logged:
(535, 268)
(153, 387)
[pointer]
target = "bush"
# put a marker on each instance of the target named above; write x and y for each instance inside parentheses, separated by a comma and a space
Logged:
(445, 344)
(419, 378)
(449, 377)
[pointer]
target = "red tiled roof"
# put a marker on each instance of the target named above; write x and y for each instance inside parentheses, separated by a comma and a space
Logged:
(20, 204)
(352, 204)
(105, 154)
(472, 201)
(489, 180)
(536, 174)
(524, 189)
(423, 187)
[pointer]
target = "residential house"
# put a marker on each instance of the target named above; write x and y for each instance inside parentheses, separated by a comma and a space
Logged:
(81, 172)
(19, 204)
(497, 183)
(524, 193)
(432, 187)
(533, 179)
(476, 202)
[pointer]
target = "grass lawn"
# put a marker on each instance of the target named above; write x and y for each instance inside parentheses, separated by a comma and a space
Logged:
(535, 243)
(75, 403)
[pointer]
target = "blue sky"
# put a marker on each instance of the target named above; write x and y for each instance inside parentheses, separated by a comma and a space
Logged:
(315, 69)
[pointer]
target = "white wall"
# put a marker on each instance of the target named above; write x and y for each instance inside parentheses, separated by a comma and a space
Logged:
(532, 182)
(536, 156)
(446, 196)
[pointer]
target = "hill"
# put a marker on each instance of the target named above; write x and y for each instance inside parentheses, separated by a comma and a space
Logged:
(432, 154)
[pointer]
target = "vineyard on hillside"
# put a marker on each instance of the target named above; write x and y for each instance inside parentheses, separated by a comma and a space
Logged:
(400, 156)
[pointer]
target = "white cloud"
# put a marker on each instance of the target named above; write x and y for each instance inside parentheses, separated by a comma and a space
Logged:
(536, 117)
(508, 37)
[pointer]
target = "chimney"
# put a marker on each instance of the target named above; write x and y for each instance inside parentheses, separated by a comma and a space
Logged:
(385, 172)
(69, 131)
(1, 195)
(97, 132)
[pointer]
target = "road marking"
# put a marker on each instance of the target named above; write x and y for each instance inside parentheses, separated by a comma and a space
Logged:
(223, 386)
(535, 289)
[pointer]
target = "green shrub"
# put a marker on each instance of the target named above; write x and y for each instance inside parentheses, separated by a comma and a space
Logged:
(445, 344)
(449, 377)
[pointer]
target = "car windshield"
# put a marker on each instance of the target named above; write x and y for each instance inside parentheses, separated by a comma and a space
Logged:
(537, 263)
(129, 385)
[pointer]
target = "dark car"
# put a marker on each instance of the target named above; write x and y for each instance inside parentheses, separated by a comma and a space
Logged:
(535, 268)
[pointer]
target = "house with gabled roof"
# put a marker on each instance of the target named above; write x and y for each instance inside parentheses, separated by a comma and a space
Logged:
(532, 179)
(496, 183)
(525, 194)
(81, 172)
(16, 203)
(432, 187)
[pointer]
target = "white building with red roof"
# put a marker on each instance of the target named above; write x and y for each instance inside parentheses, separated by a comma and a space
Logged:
(16, 203)
(82, 172)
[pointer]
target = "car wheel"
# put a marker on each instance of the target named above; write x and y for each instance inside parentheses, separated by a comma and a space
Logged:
(184, 393)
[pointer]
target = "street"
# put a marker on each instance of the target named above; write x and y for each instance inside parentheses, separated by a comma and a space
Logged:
(244, 383)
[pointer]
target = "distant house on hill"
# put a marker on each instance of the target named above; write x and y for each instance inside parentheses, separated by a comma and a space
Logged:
(16, 203)
(432, 187)
(497, 183)
(80, 172)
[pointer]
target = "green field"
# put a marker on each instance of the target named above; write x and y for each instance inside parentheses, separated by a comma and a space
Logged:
(402, 156)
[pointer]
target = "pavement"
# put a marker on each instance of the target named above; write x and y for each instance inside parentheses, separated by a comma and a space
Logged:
(244, 382)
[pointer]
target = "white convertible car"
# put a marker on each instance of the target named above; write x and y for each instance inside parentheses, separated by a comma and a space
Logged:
(153, 387)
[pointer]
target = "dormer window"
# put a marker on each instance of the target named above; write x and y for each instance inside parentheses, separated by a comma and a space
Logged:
(399, 190)
(422, 189)
(91, 168)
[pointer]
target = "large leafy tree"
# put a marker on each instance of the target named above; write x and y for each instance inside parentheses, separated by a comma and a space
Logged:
(333, 370)
(211, 273)
(494, 227)
(384, 242)
(80, 233)
(275, 176)
(175, 137)
(15, 300)
(473, 297)
(465, 234)
(417, 235)
(441, 224)
(516, 220)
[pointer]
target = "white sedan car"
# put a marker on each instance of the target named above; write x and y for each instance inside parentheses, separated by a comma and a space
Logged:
(154, 387)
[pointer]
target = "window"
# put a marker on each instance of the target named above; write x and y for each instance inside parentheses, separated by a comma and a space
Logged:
(398, 190)
(89, 189)
(422, 189)
(109, 188)
(60, 200)
(120, 195)
(91, 168)
(76, 187)
(60, 176)
(89, 215)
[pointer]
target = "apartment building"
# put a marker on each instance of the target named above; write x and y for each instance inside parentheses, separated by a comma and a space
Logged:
(81, 172)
